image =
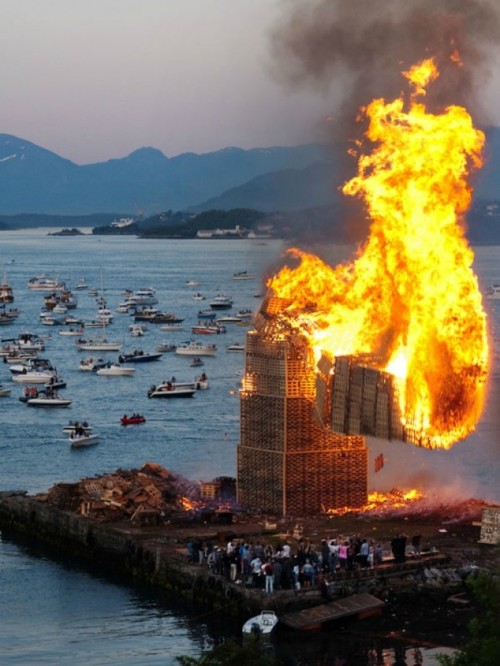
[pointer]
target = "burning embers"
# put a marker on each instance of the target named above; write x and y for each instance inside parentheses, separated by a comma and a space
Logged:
(410, 299)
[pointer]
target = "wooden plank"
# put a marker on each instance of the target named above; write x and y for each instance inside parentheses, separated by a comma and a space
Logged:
(352, 605)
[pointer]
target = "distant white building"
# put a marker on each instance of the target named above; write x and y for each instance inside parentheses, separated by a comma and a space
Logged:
(237, 231)
(122, 222)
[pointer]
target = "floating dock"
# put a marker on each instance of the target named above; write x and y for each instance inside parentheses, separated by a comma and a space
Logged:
(361, 605)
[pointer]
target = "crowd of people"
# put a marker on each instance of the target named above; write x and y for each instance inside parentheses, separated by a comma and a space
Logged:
(275, 567)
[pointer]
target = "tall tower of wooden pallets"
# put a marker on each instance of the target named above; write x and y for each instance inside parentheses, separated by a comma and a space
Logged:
(290, 461)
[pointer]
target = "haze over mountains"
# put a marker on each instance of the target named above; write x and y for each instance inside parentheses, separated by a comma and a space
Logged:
(146, 182)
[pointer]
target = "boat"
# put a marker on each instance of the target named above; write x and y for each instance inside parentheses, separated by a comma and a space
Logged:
(137, 330)
(50, 320)
(55, 382)
(236, 347)
(115, 370)
(79, 440)
(221, 302)
(8, 316)
(91, 364)
(192, 283)
(171, 327)
(5, 319)
(165, 318)
(80, 426)
(4, 392)
(146, 296)
(193, 348)
(245, 313)
(261, 625)
(60, 308)
(172, 390)
(196, 362)
(33, 377)
(208, 328)
(201, 382)
(47, 398)
(138, 356)
(71, 332)
(198, 297)
(243, 275)
(94, 323)
(133, 419)
(97, 344)
(25, 341)
(45, 283)
(81, 284)
(206, 314)
(30, 364)
(6, 292)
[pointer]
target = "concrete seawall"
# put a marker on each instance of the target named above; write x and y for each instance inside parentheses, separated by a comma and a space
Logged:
(157, 557)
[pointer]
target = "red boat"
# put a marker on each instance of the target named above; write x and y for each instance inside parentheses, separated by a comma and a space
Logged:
(130, 420)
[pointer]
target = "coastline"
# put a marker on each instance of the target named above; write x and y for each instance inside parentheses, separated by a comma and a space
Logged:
(157, 556)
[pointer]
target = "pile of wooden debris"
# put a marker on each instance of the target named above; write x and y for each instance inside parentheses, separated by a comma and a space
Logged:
(145, 496)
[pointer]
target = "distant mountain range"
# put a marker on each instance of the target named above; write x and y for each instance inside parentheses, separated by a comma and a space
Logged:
(36, 180)
(287, 179)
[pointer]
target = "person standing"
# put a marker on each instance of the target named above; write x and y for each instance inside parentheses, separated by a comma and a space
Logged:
(268, 570)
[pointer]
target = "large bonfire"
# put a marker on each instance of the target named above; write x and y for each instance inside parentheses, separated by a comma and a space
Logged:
(410, 298)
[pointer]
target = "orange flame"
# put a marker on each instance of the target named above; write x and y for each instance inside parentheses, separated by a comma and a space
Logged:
(395, 499)
(411, 297)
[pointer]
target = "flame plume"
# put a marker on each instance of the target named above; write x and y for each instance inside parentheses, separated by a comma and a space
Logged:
(410, 298)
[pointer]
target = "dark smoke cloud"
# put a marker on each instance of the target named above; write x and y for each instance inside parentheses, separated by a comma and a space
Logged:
(355, 50)
(358, 48)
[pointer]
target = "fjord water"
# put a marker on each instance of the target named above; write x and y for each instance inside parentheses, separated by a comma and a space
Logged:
(54, 612)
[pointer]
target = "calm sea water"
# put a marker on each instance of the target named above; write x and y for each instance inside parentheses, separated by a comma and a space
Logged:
(57, 613)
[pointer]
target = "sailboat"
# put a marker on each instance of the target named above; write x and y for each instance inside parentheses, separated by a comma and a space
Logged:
(99, 342)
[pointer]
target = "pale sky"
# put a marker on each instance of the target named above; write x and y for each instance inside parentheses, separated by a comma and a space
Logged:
(96, 79)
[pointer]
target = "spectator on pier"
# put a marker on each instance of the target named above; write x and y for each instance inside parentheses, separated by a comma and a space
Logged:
(309, 574)
(333, 547)
(343, 555)
(278, 573)
(268, 571)
(256, 565)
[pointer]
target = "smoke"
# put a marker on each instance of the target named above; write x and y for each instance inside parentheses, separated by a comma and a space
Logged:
(359, 48)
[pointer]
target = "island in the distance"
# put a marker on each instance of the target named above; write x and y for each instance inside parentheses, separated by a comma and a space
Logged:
(67, 232)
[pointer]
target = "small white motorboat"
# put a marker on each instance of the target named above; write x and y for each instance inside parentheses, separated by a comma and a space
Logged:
(262, 624)
(193, 348)
(243, 275)
(221, 302)
(4, 392)
(171, 327)
(78, 440)
(91, 364)
(137, 330)
(81, 284)
(48, 399)
(33, 377)
(77, 426)
(236, 347)
(115, 370)
(98, 344)
(71, 332)
(172, 390)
